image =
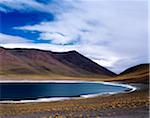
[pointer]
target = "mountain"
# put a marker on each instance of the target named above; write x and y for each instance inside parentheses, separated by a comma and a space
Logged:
(136, 74)
(37, 62)
(136, 70)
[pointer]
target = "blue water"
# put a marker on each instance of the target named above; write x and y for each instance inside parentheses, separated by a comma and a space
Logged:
(31, 91)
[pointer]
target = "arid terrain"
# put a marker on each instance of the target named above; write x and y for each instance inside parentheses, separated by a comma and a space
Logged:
(39, 62)
(16, 65)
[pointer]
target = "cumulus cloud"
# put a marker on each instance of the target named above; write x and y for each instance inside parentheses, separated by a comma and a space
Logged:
(112, 33)
(6, 39)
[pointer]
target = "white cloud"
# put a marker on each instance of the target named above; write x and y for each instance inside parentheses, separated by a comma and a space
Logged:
(25, 5)
(6, 39)
(33, 5)
(112, 33)
(55, 38)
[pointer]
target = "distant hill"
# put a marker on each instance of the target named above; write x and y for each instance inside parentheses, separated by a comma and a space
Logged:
(138, 69)
(137, 74)
(35, 61)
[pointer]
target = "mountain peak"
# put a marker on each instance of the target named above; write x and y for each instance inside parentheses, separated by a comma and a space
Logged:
(73, 51)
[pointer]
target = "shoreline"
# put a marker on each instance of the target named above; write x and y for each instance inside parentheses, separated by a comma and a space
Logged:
(129, 105)
(41, 100)
(123, 105)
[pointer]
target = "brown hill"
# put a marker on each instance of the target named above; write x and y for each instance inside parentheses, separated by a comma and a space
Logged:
(138, 69)
(34, 61)
(136, 74)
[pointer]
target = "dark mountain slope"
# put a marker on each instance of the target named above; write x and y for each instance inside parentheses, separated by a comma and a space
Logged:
(76, 60)
(139, 69)
(136, 74)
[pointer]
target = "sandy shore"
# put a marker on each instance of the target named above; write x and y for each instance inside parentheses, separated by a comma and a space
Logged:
(123, 105)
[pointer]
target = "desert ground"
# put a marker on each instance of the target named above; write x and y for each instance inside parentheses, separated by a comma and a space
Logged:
(123, 105)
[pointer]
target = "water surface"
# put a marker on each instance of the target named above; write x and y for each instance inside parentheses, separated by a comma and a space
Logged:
(32, 91)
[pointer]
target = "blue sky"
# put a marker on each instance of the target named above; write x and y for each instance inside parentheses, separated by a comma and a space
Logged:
(113, 33)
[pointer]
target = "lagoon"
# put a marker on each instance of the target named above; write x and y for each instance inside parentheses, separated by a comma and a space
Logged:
(32, 91)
